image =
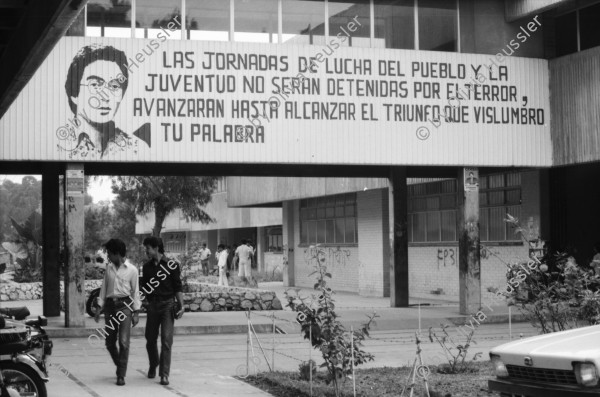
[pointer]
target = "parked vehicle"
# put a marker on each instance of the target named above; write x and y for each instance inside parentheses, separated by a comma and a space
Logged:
(561, 364)
(24, 346)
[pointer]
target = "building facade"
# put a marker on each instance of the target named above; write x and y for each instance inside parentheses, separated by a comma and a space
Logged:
(496, 100)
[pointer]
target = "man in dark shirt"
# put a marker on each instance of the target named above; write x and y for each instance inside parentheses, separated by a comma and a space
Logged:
(161, 283)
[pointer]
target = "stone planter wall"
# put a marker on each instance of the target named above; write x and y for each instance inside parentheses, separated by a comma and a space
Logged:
(201, 297)
(26, 291)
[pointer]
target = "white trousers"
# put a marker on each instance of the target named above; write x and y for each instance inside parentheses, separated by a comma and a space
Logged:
(223, 277)
(245, 269)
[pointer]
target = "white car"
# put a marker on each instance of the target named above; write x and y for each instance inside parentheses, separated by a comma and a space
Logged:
(560, 364)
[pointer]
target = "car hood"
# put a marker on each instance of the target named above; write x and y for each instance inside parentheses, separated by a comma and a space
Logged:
(556, 350)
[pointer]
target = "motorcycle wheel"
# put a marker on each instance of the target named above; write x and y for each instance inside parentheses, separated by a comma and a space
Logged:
(22, 379)
(89, 304)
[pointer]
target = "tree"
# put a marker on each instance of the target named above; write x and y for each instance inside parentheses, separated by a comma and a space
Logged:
(165, 194)
(18, 201)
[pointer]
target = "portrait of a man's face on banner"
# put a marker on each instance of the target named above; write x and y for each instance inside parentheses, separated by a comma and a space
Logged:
(96, 84)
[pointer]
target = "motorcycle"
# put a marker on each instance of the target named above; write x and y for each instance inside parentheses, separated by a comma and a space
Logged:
(24, 346)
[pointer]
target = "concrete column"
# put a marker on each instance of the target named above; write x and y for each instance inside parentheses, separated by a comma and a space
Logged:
(398, 237)
(51, 239)
(288, 244)
(260, 248)
(74, 238)
(212, 243)
(469, 264)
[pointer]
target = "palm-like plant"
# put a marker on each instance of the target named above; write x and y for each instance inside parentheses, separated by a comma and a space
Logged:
(26, 247)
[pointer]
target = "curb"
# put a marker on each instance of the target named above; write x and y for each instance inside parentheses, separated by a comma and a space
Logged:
(181, 330)
(491, 319)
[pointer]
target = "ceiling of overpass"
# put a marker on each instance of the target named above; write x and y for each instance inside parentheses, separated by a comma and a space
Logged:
(29, 29)
(11, 15)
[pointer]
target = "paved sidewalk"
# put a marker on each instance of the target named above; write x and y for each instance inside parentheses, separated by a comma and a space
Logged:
(205, 365)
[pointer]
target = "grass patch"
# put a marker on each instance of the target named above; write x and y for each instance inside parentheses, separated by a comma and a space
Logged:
(378, 382)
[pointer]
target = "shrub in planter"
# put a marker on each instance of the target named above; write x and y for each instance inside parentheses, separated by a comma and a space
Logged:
(321, 325)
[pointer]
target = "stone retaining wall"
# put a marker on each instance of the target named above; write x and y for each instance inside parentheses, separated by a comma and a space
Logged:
(203, 297)
(199, 297)
(26, 291)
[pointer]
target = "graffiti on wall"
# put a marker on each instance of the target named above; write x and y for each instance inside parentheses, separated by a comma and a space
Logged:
(447, 256)
(330, 256)
(486, 252)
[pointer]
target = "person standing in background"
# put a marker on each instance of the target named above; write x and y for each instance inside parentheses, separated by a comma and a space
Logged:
(244, 254)
(204, 255)
(222, 255)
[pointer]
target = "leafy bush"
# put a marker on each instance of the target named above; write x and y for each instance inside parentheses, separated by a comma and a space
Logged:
(320, 321)
(263, 277)
(555, 294)
(186, 260)
(455, 354)
(26, 246)
(556, 301)
(305, 368)
(94, 273)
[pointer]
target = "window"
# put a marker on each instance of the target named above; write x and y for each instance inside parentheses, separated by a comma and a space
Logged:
(207, 20)
(294, 21)
(395, 24)
(329, 220)
(438, 25)
(432, 209)
(499, 194)
(432, 212)
(303, 22)
(174, 241)
(158, 18)
(577, 30)
(256, 21)
(221, 185)
(566, 34)
(108, 18)
(275, 240)
(343, 13)
(589, 29)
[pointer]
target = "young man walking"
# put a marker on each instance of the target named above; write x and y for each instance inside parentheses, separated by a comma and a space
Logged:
(120, 301)
(161, 284)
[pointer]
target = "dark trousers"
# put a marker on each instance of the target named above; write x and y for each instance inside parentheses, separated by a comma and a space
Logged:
(117, 320)
(205, 267)
(160, 316)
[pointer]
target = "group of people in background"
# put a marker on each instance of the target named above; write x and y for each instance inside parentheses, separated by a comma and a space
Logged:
(240, 257)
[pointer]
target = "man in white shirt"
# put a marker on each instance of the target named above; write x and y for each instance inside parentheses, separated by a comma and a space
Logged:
(204, 255)
(244, 253)
(222, 255)
(120, 302)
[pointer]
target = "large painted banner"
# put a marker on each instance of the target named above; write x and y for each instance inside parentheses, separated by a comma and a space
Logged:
(102, 99)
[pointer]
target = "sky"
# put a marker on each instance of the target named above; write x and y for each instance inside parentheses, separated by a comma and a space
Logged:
(99, 187)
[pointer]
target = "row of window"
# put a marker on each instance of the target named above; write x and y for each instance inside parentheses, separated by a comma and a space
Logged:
(403, 24)
(577, 30)
(329, 220)
(432, 209)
